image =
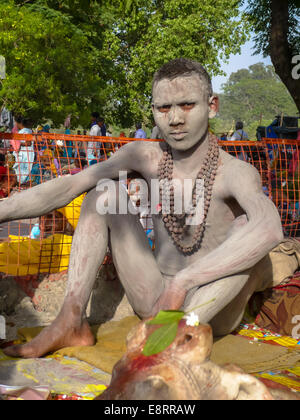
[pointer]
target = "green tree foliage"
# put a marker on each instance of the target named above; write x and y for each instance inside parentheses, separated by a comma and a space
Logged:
(276, 25)
(259, 13)
(49, 64)
(76, 56)
(150, 33)
(252, 95)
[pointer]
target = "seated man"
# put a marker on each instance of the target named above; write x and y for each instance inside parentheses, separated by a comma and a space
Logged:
(192, 264)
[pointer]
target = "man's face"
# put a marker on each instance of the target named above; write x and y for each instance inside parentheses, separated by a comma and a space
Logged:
(181, 110)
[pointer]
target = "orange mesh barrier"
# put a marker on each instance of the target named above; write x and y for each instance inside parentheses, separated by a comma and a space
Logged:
(277, 161)
(43, 245)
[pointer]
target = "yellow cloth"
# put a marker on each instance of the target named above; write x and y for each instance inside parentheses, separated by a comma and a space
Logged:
(254, 357)
(23, 256)
(110, 347)
(48, 153)
(72, 210)
(60, 375)
(251, 356)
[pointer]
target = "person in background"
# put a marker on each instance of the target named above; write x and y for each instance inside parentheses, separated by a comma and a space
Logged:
(78, 165)
(46, 128)
(16, 144)
(102, 126)
(223, 137)
(44, 168)
(68, 152)
(92, 152)
(41, 142)
(7, 178)
(102, 146)
(94, 118)
(25, 156)
(78, 145)
(140, 133)
(240, 135)
(15, 129)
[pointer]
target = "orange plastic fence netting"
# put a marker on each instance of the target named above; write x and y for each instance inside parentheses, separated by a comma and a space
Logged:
(43, 245)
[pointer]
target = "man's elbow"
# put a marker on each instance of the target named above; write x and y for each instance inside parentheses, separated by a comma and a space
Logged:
(275, 234)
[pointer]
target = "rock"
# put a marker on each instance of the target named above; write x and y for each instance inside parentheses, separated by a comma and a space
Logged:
(10, 296)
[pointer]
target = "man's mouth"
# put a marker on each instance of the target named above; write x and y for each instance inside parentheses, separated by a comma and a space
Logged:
(178, 134)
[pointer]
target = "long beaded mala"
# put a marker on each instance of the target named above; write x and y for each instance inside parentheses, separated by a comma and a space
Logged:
(176, 223)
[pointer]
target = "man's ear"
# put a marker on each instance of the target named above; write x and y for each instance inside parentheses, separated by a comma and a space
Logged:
(213, 106)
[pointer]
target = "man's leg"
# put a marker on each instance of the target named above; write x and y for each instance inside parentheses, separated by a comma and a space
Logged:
(135, 264)
(230, 295)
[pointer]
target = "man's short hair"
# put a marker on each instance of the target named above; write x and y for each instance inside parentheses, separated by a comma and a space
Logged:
(183, 67)
(19, 119)
(95, 115)
(138, 126)
(239, 125)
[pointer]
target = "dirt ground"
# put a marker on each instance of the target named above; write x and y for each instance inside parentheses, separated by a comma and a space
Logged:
(108, 301)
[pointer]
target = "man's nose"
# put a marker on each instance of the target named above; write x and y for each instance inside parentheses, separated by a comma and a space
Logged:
(176, 116)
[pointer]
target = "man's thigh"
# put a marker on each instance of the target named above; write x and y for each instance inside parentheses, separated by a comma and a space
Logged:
(134, 261)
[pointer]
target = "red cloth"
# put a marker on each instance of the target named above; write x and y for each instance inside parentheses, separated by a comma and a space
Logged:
(3, 172)
(294, 162)
(277, 307)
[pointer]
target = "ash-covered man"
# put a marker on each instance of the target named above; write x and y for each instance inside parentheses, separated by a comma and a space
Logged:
(192, 265)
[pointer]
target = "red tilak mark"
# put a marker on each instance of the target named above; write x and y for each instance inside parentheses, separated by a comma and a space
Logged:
(144, 362)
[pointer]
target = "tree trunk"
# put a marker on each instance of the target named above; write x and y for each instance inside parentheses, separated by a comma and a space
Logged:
(281, 53)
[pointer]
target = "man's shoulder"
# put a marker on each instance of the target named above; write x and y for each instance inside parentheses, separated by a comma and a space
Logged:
(142, 146)
(233, 166)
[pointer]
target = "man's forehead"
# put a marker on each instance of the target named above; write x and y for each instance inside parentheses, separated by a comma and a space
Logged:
(181, 87)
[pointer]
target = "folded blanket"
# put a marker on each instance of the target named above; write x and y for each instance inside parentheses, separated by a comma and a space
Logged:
(279, 308)
(279, 265)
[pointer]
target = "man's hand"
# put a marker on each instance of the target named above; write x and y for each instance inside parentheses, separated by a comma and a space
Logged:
(171, 299)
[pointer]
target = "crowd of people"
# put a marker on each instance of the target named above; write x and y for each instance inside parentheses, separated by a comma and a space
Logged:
(25, 163)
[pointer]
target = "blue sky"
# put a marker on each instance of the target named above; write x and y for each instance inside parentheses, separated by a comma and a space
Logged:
(237, 62)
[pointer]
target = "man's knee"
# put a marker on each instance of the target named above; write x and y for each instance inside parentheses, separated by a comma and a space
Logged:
(143, 306)
(111, 198)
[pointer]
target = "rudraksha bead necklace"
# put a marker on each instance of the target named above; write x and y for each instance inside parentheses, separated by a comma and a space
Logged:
(176, 223)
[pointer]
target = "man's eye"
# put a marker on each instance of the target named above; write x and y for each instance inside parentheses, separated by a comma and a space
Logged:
(164, 108)
(187, 105)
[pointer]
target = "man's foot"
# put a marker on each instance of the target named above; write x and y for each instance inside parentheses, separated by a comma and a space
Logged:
(53, 338)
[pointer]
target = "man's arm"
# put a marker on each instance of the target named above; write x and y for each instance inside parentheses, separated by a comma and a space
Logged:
(250, 242)
(59, 192)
